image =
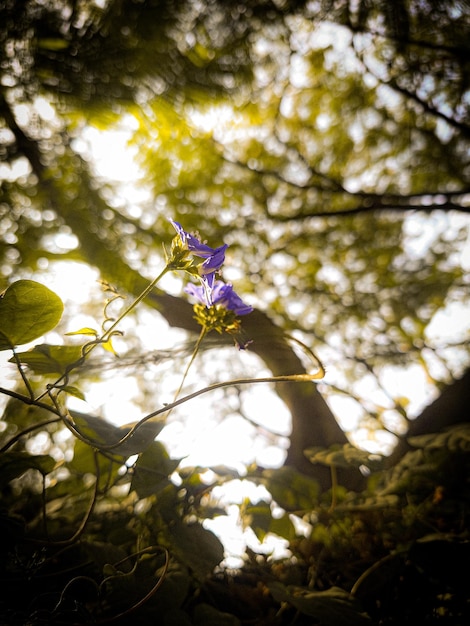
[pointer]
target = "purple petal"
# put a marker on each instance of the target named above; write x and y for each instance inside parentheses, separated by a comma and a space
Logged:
(195, 245)
(223, 294)
(214, 261)
(209, 280)
(197, 292)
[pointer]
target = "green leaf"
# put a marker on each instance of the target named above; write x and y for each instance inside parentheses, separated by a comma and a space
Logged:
(18, 415)
(103, 432)
(196, 547)
(152, 470)
(257, 517)
(103, 552)
(290, 489)
(87, 461)
(346, 456)
(14, 464)
(260, 519)
(455, 438)
(225, 471)
(28, 310)
(49, 359)
(74, 391)
(84, 331)
(334, 607)
(108, 346)
(283, 527)
(97, 429)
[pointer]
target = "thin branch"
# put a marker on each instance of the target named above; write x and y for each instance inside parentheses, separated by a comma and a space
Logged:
(368, 208)
(410, 95)
(443, 200)
(160, 414)
(455, 51)
(428, 108)
(28, 400)
(147, 596)
(26, 431)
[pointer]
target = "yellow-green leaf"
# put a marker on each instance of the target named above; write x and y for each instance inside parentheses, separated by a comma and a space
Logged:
(28, 310)
(84, 331)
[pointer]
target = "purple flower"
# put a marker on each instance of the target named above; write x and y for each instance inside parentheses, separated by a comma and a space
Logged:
(224, 294)
(215, 257)
(221, 294)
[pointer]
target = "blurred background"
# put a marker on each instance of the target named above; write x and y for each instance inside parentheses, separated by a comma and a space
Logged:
(326, 143)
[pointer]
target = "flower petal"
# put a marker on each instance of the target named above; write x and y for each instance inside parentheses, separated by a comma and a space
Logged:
(198, 292)
(224, 294)
(195, 245)
(214, 261)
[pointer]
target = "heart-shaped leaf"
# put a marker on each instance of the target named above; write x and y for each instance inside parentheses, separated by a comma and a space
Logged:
(28, 310)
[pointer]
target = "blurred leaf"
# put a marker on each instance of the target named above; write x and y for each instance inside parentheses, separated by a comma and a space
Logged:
(103, 432)
(290, 489)
(49, 359)
(19, 415)
(225, 471)
(103, 553)
(86, 460)
(74, 391)
(152, 470)
(173, 591)
(260, 519)
(346, 456)
(14, 464)
(28, 310)
(453, 439)
(196, 547)
(334, 607)
(377, 578)
(283, 527)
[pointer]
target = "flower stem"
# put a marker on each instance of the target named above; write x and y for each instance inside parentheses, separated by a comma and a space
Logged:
(191, 361)
(133, 305)
(108, 333)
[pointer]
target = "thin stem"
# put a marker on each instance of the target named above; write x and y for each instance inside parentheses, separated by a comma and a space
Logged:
(191, 361)
(28, 400)
(133, 305)
(143, 600)
(236, 381)
(108, 333)
(334, 487)
(85, 519)
(89, 510)
(22, 374)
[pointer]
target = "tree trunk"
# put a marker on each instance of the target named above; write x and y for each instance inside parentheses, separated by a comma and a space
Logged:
(451, 407)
